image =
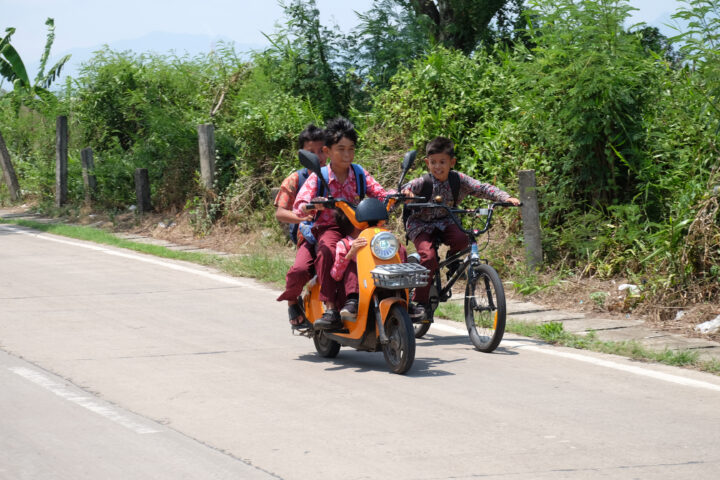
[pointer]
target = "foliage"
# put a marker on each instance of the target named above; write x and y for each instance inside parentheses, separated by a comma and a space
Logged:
(305, 60)
(588, 86)
(700, 46)
(448, 93)
(388, 37)
(12, 68)
(458, 24)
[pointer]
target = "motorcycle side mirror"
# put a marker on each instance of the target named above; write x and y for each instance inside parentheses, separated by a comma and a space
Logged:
(310, 161)
(407, 164)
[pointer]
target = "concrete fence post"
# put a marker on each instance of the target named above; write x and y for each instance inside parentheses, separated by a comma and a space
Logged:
(530, 218)
(142, 190)
(61, 161)
(8, 171)
(88, 173)
(206, 143)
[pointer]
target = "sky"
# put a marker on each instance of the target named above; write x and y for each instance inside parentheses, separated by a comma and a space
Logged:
(82, 26)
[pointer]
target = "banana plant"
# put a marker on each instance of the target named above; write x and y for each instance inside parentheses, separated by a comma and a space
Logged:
(12, 67)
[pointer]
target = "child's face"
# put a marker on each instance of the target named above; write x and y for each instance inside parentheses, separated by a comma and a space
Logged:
(341, 154)
(439, 165)
(316, 147)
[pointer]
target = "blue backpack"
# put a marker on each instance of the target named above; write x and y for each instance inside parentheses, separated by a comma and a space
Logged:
(303, 175)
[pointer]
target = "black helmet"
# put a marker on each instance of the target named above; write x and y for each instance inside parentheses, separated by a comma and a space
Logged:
(371, 210)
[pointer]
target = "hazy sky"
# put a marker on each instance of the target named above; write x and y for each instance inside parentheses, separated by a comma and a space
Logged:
(92, 23)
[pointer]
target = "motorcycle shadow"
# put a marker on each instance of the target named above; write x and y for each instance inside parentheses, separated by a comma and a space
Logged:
(365, 362)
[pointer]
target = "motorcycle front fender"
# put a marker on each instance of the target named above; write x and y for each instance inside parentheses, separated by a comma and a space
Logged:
(387, 303)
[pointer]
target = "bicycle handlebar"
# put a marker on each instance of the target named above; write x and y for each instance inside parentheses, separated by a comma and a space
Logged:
(478, 211)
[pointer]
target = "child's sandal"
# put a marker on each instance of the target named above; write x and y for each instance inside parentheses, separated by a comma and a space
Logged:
(297, 317)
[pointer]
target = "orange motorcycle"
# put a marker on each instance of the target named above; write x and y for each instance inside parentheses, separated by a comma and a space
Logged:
(382, 321)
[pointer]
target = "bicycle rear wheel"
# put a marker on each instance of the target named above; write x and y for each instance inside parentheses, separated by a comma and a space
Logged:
(485, 308)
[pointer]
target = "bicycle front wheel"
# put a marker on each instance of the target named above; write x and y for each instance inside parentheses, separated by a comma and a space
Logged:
(485, 308)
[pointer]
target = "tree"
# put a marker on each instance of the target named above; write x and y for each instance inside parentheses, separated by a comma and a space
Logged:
(12, 68)
(459, 24)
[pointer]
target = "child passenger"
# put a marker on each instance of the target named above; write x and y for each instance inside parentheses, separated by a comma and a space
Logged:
(340, 142)
(424, 225)
(313, 140)
(344, 270)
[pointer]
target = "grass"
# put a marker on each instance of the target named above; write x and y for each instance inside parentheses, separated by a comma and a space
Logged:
(272, 269)
(267, 268)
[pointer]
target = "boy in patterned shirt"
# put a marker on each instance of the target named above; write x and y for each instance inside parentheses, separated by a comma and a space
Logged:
(424, 225)
(341, 138)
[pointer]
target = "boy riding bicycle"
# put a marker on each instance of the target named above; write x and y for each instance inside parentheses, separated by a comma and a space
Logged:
(424, 225)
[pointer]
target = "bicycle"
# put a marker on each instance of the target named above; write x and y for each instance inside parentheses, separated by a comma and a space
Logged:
(484, 304)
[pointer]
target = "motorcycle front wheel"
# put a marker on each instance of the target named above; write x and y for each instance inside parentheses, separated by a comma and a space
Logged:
(485, 308)
(325, 347)
(400, 350)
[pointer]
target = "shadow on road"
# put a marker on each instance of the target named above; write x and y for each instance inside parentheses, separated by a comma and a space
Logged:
(362, 362)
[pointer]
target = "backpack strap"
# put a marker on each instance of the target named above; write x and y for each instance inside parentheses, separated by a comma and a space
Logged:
(427, 187)
(326, 176)
(454, 180)
(360, 180)
(303, 175)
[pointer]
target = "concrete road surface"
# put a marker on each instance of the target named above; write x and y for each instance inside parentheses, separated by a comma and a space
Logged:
(118, 365)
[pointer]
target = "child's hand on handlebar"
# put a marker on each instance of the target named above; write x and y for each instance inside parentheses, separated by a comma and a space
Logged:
(514, 201)
(308, 207)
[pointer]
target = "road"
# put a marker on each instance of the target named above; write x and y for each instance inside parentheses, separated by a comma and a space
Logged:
(119, 365)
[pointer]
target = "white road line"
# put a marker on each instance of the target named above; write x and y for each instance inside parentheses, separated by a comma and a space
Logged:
(645, 372)
(153, 261)
(84, 401)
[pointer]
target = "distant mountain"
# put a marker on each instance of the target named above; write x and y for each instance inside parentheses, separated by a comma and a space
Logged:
(157, 42)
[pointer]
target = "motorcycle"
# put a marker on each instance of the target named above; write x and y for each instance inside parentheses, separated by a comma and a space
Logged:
(382, 321)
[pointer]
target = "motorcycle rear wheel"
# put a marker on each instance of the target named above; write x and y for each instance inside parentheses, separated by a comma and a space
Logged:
(400, 350)
(421, 329)
(325, 347)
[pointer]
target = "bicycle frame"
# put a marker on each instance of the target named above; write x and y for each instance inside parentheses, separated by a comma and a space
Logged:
(470, 253)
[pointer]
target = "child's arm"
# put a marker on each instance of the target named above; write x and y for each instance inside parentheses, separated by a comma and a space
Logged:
(470, 186)
(357, 244)
(341, 261)
(307, 192)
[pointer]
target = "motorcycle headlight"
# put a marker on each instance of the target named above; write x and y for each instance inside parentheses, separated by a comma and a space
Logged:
(384, 245)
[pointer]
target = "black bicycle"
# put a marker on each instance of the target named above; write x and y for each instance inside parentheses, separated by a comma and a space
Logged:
(484, 294)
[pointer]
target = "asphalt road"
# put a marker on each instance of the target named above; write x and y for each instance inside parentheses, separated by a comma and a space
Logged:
(117, 365)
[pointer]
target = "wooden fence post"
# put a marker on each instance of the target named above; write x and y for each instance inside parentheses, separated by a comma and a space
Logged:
(206, 143)
(8, 171)
(88, 173)
(530, 218)
(142, 190)
(61, 160)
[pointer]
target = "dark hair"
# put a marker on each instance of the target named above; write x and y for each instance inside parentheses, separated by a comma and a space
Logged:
(312, 133)
(440, 145)
(343, 222)
(338, 128)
